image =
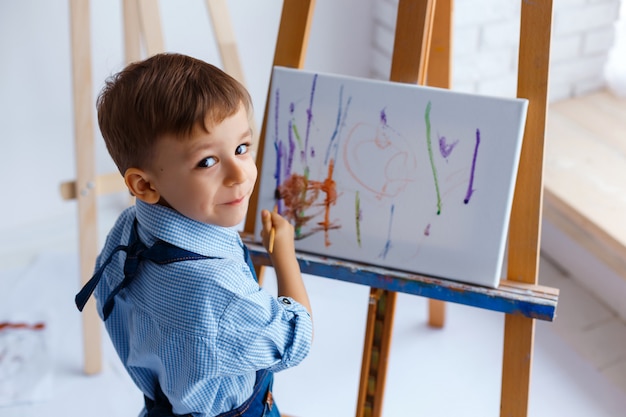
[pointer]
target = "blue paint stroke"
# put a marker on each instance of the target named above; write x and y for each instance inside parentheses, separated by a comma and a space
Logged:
(333, 144)
(278, 148)
(470, 187)
(292, 130)
(292, 149)
(309, 119)
(358, 217)
(385, 251)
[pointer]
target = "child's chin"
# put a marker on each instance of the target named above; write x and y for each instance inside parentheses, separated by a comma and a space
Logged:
(236, 222)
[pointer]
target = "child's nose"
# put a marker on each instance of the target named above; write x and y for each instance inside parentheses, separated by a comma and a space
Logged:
(235, 173)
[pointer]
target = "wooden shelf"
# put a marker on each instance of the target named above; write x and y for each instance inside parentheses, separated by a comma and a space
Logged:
(585, 174)
(517, 298)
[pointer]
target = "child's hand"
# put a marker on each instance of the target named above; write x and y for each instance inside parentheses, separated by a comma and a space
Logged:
(283, 232)
(283, 256)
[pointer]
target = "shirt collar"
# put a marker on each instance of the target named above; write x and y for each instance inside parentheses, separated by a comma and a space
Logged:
(159, 222)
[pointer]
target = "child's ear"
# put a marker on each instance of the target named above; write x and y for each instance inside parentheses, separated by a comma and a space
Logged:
(138, 182)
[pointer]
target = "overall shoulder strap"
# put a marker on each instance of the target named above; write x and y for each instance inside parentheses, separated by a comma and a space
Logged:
(160, 253)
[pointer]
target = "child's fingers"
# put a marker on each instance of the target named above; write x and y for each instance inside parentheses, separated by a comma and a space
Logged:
(281, 224)
(266, 218)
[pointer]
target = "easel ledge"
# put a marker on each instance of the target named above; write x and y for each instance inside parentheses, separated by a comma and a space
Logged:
(511, 297)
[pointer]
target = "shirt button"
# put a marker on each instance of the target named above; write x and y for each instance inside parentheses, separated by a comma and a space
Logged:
(286, 301)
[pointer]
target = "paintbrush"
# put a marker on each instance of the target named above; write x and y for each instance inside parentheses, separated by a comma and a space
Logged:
(270, 246)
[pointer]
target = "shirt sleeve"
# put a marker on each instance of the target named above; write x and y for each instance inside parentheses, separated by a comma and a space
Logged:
(258, 331)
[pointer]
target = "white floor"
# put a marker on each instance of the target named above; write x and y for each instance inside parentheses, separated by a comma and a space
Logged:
(579, 367)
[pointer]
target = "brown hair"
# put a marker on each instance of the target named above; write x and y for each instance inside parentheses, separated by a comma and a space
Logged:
(164, 94)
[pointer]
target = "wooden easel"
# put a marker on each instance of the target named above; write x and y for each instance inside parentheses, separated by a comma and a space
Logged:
(519, 296)
(142, 21)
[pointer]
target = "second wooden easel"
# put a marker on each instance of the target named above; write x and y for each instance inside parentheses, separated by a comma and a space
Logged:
(519, 296)
(142, 22)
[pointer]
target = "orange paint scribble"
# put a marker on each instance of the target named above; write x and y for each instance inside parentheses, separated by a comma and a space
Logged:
(329, 187)
(301, 194)
(293, 192)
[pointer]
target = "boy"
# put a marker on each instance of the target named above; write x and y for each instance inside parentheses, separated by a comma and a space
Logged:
(174, 284)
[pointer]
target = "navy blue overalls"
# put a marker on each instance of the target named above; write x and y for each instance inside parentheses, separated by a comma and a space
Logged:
(260, 403)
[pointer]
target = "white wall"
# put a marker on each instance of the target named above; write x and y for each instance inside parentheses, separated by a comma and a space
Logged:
(616, 66)
(486, 40)
(36, 120)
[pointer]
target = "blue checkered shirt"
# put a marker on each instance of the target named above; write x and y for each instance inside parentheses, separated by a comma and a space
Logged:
(200, 328)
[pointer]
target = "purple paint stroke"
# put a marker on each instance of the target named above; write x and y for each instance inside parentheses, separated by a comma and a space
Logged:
(278, 148)
(276, 107)
(292, 149)
(470, 187)
(383, 117)
(309, 119)
(427, 230)
(446, 148)
(387, 247)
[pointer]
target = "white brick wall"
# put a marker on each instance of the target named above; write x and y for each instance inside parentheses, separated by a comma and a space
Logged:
(486, 39)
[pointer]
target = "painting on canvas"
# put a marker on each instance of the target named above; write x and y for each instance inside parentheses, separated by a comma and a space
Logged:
(396, 175)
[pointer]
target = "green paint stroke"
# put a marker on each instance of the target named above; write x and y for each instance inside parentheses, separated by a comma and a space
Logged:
(296, 134)
(430, 155)
(301, 214)
(357, 210)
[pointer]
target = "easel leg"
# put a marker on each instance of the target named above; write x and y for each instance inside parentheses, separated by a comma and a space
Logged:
(227, 46)
(409, 64)
(436, 313)
(225, 37)
(85, 174)
(525, 223)
(376, 348)
(440, 55)
(142, 18)
(291, 43)
(132, 31)
(440, 75)
(290, 51)
(519, 335)
(150, 19)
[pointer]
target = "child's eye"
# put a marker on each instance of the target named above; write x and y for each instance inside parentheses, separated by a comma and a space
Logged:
(242, 149)
(207, 162)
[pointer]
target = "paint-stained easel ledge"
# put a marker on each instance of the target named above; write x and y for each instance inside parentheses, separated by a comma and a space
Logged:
(533, 301)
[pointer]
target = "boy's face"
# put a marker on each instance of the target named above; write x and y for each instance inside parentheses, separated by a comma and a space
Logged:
(208, 177)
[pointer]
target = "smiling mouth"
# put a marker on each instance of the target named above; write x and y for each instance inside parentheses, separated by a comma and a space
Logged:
(236, 202)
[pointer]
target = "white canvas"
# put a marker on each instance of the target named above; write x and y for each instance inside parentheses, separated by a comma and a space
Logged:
(391, 174)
